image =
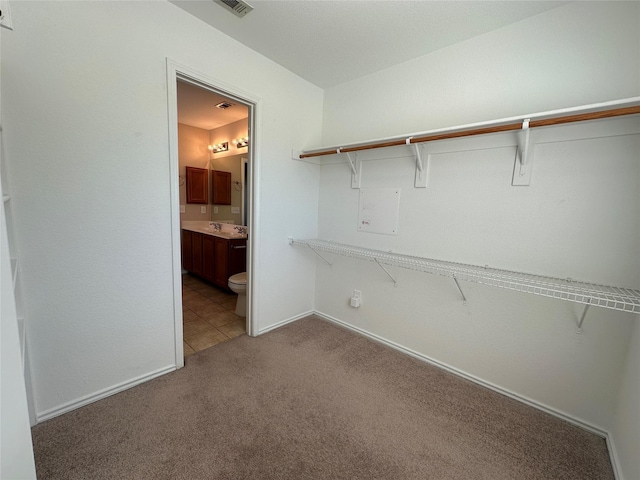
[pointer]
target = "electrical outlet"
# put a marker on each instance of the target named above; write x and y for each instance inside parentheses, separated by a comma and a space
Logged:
(356, 300)
(5, 15)
(182, 209)
(215, 209)
(203, 209)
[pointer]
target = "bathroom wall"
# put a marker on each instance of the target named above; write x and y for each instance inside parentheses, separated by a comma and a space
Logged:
(580, 217)
(230, 161)
(193, 143)
(228, 133)
(86, 137)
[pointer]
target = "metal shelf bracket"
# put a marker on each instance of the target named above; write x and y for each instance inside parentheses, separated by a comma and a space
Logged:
(318, 253)
(464, 299)
(584, 314)
(291, 241)
(522, 166)
(356, 168)
(422, 169)
(395, 283)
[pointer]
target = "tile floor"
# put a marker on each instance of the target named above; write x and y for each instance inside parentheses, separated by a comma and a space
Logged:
(208, 315)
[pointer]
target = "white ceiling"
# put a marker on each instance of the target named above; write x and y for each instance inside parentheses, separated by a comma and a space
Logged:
(331, 42)
(197, 107)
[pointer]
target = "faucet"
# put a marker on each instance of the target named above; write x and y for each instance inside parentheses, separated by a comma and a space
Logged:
(240, 229)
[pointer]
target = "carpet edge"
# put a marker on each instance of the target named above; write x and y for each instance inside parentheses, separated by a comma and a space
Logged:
(99, 395)
(467, 376)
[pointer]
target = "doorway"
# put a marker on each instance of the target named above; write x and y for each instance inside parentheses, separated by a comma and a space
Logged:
(219, 148)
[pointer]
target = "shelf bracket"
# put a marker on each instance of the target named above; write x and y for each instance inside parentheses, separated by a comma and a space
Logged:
(464, 299)
(318, 253)
(584, 314)
(522, 166)
(356, 168)
(395, 283)
(422, 169)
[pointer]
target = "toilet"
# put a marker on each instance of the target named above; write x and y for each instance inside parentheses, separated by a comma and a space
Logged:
(238, 284)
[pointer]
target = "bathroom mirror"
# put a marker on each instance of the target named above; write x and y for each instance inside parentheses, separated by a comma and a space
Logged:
(227, 197)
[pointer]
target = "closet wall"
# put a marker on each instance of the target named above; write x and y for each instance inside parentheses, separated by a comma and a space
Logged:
(581, 53)
(579, 217)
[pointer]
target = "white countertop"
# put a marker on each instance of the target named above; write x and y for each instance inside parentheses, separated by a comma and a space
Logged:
(204, 227)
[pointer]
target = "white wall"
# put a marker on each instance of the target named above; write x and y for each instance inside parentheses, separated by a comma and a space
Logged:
(86, 135)
(626, 426)
(16, 451)
(582, 53)
(579, 218)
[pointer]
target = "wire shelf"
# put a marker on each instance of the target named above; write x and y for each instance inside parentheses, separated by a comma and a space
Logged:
(615, 298)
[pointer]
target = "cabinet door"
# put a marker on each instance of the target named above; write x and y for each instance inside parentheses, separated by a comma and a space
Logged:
(221, 262)
(237, 256)
(197, 185)
(196, 253)
(221, 186)
(187, 262)
(208, 257)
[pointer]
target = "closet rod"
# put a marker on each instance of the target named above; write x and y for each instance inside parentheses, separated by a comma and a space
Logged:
(581, 117)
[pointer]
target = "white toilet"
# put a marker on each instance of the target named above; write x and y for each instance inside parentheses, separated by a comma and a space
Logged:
(238, 284)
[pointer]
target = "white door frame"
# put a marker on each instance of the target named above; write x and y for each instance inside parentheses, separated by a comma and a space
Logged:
(175, 72)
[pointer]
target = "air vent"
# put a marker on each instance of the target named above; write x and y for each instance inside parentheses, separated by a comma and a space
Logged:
(238, 7)
(224, 105)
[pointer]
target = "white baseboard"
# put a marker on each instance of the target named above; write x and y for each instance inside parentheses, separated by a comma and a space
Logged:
(540, 406)
(284, 322)
(613, 456)
(107, 392)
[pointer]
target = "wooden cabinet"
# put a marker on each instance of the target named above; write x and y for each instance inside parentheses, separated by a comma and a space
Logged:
(196, 253)
(221, 259)
(197, 185)
(187, 262)
(220, 187)
(230, 257)
(208, 257)
(213, 258)
(237, 256)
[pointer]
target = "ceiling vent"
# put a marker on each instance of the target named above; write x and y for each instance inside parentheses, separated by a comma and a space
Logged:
(224, 105)
(238, 7)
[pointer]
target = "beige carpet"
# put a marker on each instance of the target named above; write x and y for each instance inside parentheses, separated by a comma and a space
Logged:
(313, 401)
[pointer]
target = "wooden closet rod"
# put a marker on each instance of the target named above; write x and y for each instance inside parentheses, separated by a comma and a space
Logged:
(581, 117)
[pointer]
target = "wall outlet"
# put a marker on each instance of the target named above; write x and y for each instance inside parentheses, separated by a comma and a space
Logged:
(215, 209)
(356, 300)
(182, 209)
(5, 15)
(235, 209)
(203, 209)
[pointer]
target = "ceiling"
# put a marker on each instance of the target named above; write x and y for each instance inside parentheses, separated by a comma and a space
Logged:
(197, 107)
(332, 42)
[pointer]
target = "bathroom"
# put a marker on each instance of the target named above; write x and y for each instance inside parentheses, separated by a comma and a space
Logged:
(213, 144)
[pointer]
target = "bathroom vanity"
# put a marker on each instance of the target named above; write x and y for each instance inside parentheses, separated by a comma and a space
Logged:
(212, 255)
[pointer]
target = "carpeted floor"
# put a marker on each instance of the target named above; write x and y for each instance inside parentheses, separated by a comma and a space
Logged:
(313, 401)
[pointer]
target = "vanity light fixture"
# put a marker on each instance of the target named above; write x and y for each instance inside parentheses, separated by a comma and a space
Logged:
(241, 142)
(219, 147)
